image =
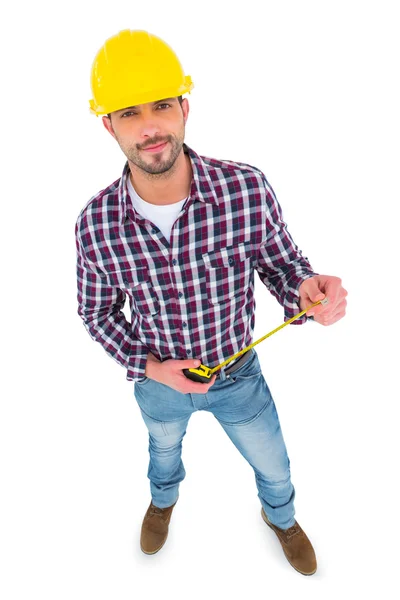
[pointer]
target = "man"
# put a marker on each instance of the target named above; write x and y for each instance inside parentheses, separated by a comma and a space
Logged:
(181, 235)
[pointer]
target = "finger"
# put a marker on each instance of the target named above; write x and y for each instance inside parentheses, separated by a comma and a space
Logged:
(312, 291)
(335, 319)
(318, 309)
(334, 289)
(188, 364)
(341, 305)
(209, 383)
(330, 311)
(330, 319)
(331, 308)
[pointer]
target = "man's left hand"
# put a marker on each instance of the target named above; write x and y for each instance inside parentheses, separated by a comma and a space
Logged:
(320, 287)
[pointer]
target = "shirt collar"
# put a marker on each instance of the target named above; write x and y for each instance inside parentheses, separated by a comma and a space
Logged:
(201, 189)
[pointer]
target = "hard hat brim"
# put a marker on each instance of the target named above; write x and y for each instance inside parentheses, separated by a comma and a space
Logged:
(142, 98)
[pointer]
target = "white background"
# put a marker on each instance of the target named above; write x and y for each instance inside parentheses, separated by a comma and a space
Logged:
(309, 93)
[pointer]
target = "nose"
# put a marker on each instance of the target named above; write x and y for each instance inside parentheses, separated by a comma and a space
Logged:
(149, 127)
(149, 131)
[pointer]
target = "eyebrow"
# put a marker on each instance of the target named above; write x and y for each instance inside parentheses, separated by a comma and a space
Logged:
(153, 103)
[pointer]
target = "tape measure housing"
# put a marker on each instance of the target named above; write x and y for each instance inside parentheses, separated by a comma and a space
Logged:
(202, 374)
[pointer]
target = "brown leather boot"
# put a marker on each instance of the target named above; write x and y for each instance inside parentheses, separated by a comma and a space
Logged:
(296, 546)
(155, 528)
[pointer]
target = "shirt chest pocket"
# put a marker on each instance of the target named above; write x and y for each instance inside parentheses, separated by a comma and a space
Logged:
(137, 284)
(229, 272)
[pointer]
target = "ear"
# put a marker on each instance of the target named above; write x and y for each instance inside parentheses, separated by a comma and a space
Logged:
(185, 109)
(108, 125)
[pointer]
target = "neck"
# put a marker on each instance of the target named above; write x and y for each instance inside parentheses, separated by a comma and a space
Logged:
(165, 188)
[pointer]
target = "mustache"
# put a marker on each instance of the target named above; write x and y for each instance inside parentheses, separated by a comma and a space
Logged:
(155, 142)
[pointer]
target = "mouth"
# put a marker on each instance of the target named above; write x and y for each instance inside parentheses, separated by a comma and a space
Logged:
(158, 148)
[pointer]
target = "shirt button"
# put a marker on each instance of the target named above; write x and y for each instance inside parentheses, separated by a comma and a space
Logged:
(154, 230)
(188, 352)
(184, 324)
(174, 261)
(180, 294)
(231, 261)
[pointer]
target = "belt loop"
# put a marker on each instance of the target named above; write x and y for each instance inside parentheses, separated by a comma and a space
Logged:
(222, 375)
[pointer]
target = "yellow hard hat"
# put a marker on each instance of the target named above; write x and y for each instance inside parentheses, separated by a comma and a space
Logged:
(135, 67)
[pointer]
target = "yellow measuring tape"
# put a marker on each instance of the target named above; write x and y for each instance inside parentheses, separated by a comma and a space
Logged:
(203, 374)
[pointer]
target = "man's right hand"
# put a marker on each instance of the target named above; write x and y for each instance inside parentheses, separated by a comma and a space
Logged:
(170, 372)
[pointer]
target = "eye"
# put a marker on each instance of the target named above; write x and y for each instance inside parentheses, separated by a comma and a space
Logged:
(127, 113)
(163, 104)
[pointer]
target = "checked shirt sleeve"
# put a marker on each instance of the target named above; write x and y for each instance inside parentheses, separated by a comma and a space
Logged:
(280, 264)
(100, 307)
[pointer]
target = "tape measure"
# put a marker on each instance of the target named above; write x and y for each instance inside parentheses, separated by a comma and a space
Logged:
(203, 374)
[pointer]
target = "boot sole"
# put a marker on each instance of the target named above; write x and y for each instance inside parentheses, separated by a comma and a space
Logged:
(154, 551)
(302, 573)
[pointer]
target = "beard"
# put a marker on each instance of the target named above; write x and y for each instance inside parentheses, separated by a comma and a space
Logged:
(159, 162)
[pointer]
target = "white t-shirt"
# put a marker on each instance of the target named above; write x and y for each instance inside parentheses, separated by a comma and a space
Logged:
(162, 216)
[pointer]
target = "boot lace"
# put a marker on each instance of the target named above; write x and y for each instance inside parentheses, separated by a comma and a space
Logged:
(292, 531)
(154, 510)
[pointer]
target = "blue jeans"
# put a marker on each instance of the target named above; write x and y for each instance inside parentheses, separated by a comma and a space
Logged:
(243, 405)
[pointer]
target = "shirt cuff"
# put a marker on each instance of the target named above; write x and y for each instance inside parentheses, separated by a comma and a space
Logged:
(292, 302)
(137, 366)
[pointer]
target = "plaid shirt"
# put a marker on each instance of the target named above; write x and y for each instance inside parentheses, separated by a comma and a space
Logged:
(191, 296)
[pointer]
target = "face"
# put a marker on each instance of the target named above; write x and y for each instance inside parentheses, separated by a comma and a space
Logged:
(150, 135)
